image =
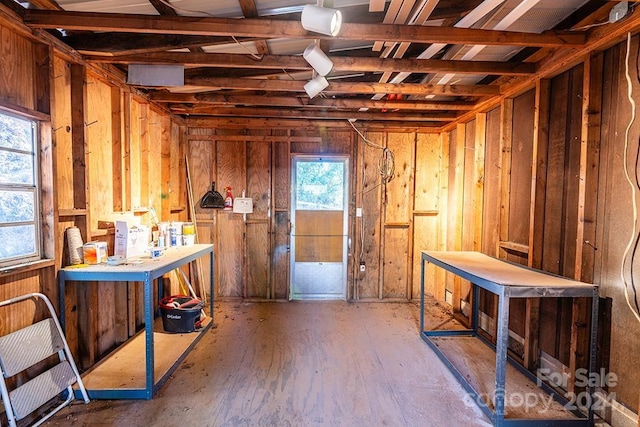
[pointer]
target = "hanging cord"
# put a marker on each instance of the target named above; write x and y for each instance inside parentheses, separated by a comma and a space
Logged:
(202, 12)
(634, 189)
(386, 163)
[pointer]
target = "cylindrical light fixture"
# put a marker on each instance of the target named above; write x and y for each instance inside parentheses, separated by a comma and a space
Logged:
(321, 20)
(317, 59)
(315, 86)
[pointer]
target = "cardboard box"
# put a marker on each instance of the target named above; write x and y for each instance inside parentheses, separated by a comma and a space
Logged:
(131, 241)
(95, 252)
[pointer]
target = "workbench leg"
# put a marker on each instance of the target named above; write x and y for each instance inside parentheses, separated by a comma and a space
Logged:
(148, 326)
(502, 341)
(422, 269)
(593, 349)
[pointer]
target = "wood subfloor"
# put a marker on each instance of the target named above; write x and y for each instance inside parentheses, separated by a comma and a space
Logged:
(300, 364)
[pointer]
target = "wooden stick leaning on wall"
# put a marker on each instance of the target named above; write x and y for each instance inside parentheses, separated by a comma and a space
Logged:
(192, 215)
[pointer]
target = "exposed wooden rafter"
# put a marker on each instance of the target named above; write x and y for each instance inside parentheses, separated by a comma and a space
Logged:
(268, 28)
(289, 62)
(343, 87)
(304, 101)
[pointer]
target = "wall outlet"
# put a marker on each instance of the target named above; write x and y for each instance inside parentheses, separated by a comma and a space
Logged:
(358, 212)
(362, 266)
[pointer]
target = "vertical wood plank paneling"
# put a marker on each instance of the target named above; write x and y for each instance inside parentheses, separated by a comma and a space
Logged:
(202, 171)
(443, 215)
(116, 147)
(156, 169)
(455, 206)
(144, 135)
(281, 195)
(258, 188)
(396, 259)
(369, 227)
(426, 207)
(230, 166)
(99, 137)
(572, 172)
(395, 273)
(468, 185)
(492, 171)
(17, 69)
(478, 179)
(398, 191)
(506, 141)
(539, 177)
(61, 129)
(126, 151)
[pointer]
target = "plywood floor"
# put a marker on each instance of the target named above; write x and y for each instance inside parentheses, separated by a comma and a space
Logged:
(300, 364)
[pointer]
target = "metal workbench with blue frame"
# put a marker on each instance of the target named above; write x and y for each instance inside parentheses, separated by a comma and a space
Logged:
(506, 280)
(145, 270)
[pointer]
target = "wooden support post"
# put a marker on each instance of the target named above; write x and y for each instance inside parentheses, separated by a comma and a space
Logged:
(126, 152)
(539, 172)
(116, 147)
(455, 208)
(506, 136)
(443, 213)
(480, 140)
(87, 294)
(588, 178)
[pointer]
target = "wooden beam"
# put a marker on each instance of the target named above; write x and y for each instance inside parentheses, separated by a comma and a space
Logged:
(249, 10)
(539, 172)
(296, 62)
(311, 114)
(262, 123)
(45, 4)
(456, 206)
(111, 44)
(343, 87)
(506, 136)
(304, 101)
(267, 28)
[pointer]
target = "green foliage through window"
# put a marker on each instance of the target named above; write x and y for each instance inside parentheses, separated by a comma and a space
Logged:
(320, 185)
(19, 208)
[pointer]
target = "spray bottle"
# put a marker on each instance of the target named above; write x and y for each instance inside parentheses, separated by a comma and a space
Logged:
(228, 200)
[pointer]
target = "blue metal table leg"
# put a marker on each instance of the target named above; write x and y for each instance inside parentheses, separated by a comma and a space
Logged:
(422, 269)
(593, 347)
(62, 302)
(502, 337)
(148, 326)
(211, 296)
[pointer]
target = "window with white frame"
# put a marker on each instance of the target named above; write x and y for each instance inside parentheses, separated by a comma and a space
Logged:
(20, 239)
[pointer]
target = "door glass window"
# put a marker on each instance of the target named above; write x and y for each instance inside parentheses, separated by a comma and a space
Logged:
(319, 185)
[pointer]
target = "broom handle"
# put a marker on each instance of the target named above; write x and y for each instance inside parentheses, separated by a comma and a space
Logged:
(192, 214)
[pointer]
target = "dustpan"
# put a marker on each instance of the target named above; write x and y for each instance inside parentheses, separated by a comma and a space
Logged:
(212, 199)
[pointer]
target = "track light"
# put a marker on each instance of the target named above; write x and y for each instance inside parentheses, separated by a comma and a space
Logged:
(315, 86)
(317, 59)
(321, 20)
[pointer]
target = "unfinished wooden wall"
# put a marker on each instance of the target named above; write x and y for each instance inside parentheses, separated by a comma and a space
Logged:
(554, 196)
(23, 64)
(399, 219)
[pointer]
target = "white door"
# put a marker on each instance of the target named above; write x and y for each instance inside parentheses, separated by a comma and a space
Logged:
(319, 223)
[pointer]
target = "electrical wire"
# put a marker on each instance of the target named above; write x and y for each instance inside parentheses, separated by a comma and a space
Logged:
(202, 12)
(386, 163)
(634, 189)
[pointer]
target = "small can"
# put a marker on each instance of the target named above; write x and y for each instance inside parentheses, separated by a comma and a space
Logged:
(188, 228)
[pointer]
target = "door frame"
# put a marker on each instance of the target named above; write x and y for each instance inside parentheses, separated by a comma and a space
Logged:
(337, 158)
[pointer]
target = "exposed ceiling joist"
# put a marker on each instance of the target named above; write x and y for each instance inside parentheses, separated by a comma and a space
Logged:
(303, 101)
(266, 28)
(288, 62)
(342, 87)
(308, 114)
(297, 124)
